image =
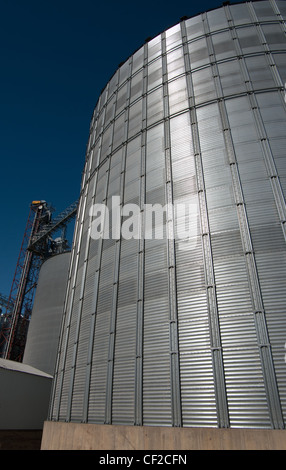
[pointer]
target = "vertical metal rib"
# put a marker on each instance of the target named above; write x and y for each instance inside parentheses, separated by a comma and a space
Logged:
(214, 331)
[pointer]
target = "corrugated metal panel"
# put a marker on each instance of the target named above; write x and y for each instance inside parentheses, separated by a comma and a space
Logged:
(274, 295)
(97, 396)
(223, 45)
(127, 291)
(264, 11)
(210, 128)
(246, 396)
(156, 380)
(190, 276)
(155, 73)
(260, 72)
(224, 218)
(226, 243)
(199, 53)
(155, 255)
(262, 213)
(219, 196)
(253, 170)
(249, 40)
(204, 85)
(182, 149)
(237, 330)
(194, 335)
(137, 60)
(175, 63)
(78, 393)
(109, 111)
(121, 98)
(197, 389)
(155, 178)
(131, 192)
(135, 118)
(230, 270)
(275, 36)
(63, 404)
(123, 399)
(178, 99)
(270, 239)
(132, 167)
(106, 142)
(155, 282)
(240, 14)
(217, 20)
(119, 130)
(154, 48)
(173, 37)
(136, 86)
(155, 106)
(192, 305)
(234, 299)
(124, 71)
(156, 390)
(231, 77)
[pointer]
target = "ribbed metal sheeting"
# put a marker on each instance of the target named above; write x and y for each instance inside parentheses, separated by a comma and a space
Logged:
(185, 332)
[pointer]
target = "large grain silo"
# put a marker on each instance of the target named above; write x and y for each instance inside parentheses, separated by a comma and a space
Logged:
(182, 333)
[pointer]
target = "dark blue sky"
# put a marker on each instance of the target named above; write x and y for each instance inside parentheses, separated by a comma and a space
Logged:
(56, 56)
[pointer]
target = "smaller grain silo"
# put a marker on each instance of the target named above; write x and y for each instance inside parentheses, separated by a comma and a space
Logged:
(44, 329)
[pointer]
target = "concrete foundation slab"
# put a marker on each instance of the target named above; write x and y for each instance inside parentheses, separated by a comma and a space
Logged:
(78, 436)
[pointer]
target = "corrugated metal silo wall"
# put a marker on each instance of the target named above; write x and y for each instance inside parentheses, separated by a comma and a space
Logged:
(185, 332)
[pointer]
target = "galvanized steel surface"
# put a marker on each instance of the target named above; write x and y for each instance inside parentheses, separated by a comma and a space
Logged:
(185, 332)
